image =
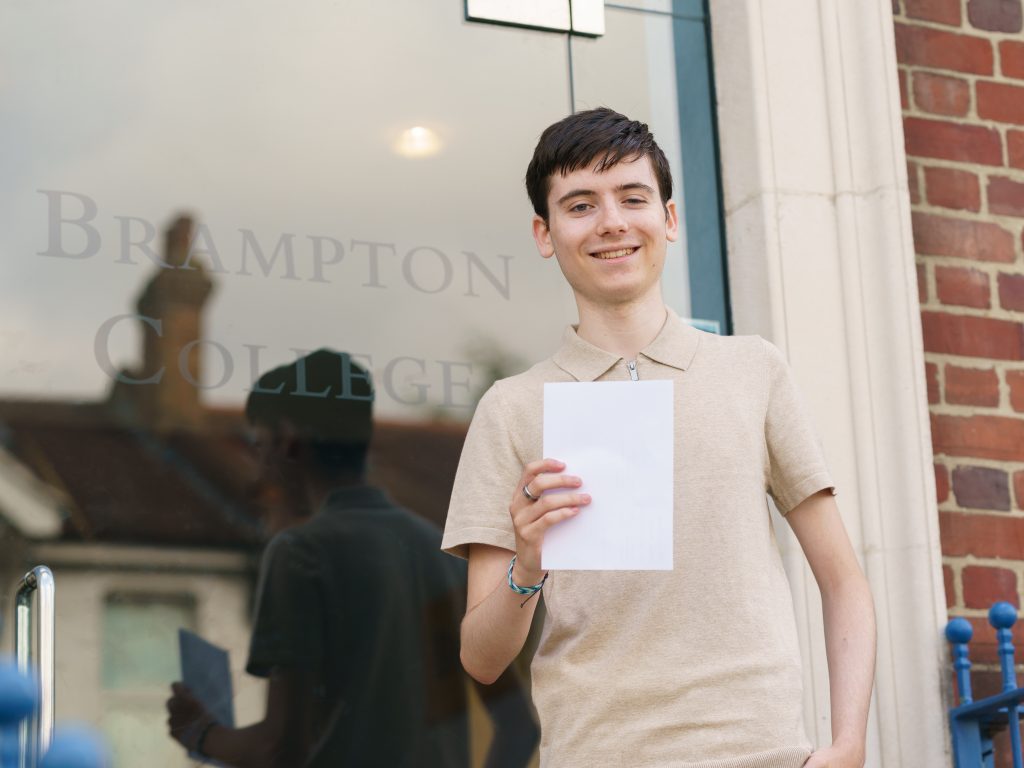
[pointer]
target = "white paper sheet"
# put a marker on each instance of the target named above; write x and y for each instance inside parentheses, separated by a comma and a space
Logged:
(617, 436)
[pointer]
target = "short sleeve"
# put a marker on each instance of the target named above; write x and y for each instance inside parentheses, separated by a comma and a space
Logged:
(796, 462)
(286, 626)
(488, 472)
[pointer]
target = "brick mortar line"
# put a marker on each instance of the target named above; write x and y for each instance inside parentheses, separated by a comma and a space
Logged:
(965, 29)
(994, 268)
(958, 585)
(957, 74)
(930, 281)
(951, 506)
(983, 313)
(960, 165)
(1015, 222)
(962, 561)
(962, 362)
(982, 613)
(1012, 467)
(1013, 514)
(965, 165)
(1012, 268)
(964, 121)
(954, 409)
(991, 313)
(933, 305)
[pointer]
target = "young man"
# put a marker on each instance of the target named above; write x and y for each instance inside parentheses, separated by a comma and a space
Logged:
(697, 667)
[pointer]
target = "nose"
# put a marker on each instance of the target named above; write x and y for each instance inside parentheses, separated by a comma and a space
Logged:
(612, 221)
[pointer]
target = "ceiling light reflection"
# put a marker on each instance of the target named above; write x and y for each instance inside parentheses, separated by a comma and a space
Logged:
(418, 141)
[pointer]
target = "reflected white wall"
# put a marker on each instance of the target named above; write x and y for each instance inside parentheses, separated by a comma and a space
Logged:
(282, 122)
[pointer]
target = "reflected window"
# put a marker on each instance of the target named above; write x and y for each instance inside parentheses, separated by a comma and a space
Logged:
(139, 661)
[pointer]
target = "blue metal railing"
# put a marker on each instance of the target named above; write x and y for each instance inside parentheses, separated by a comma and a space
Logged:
(973, 722)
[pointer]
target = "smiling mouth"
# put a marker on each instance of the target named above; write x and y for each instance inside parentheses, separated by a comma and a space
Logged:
(614, 254)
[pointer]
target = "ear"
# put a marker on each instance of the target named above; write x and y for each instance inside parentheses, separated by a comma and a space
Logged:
(542, 236)
(287, 440)
(671, 221)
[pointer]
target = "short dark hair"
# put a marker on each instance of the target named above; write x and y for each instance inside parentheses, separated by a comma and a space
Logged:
(328, 399)
(578, 140)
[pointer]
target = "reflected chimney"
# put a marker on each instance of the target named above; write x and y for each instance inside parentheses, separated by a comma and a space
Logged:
(174, 299)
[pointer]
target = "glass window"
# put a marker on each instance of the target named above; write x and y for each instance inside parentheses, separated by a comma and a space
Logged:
(205, 191)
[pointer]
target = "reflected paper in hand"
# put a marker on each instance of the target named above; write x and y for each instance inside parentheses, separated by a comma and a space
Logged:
(206, 671)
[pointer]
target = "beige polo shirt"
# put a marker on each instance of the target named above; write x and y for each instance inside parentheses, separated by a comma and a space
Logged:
(697, 667)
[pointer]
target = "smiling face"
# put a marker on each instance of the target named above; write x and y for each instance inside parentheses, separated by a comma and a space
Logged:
(609, 231)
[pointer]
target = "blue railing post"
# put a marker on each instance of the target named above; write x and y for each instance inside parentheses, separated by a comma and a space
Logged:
(76, 746)
(1002, 616)
(19, 698)
(959, 633)
(72, 746)
(972, 747)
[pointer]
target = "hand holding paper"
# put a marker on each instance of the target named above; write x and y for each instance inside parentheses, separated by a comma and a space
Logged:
(206, 677)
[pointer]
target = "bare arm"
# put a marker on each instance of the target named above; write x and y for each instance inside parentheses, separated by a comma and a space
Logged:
(280, 740)
(849, 626)
(497, 619)
(496, 624)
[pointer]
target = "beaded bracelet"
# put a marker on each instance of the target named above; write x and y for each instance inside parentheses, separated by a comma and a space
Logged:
(531, 591)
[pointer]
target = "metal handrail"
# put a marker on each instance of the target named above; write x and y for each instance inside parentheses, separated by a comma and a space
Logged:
(37, 731)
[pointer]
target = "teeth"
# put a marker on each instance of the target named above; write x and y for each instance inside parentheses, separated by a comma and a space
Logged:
(614, 254)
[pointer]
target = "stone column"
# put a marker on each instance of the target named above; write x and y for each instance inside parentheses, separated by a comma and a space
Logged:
(821, 262)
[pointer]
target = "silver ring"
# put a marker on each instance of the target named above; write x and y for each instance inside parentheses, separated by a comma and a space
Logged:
(527, 494)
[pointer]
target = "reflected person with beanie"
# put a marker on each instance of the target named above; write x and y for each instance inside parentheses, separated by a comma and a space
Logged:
(357, 612)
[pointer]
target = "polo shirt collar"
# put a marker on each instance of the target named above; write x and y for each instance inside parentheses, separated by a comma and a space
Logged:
(674, 346)
(356, 497)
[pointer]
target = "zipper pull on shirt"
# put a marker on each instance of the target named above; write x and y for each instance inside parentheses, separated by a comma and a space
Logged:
(631, 364)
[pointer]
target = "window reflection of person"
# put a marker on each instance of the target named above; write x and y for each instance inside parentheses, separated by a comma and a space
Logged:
(357, 611)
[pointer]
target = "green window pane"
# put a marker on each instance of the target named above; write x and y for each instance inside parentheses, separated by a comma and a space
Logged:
(140, 639)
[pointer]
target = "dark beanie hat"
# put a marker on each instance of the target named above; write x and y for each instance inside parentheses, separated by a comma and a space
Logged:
(325, 396)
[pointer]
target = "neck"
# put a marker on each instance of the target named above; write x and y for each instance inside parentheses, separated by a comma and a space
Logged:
(622, 329)
(319, 488)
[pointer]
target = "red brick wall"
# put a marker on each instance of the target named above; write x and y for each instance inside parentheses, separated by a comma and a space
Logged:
(961, 70)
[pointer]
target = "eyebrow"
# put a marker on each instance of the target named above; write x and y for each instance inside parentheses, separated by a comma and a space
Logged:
(590, 192)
